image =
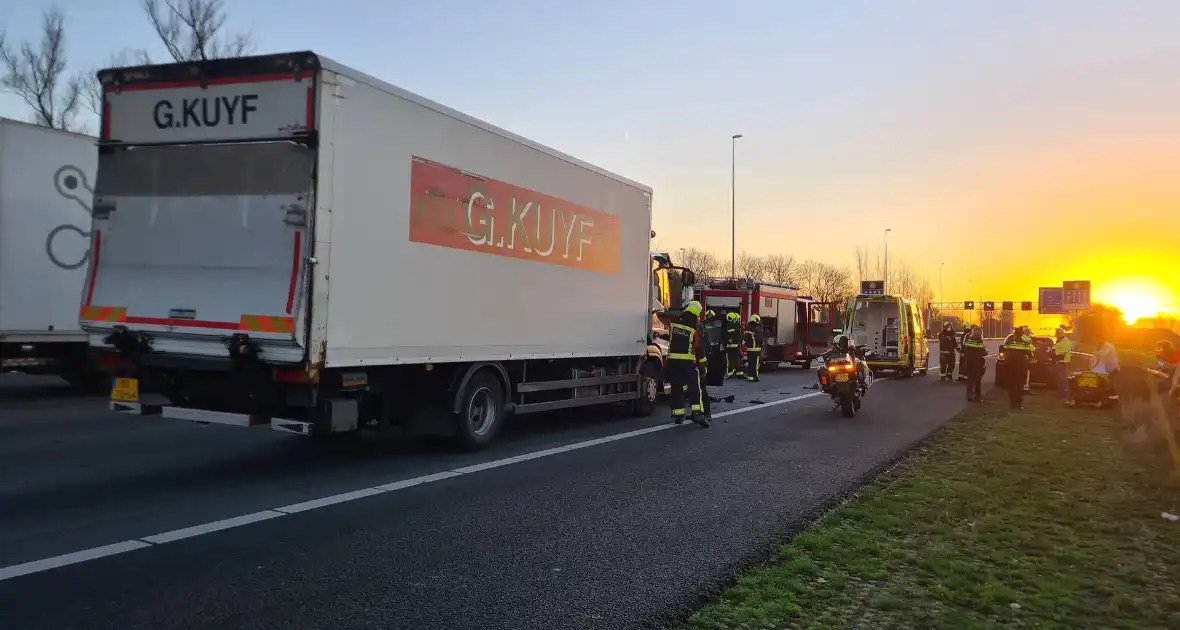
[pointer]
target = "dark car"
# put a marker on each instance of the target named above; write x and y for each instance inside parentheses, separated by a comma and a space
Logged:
(1040, 369)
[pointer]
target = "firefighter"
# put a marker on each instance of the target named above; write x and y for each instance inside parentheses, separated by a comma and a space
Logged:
(753, 337)
(974, 364)
(947, 345)
(731, 339)
(685, 350)
(1017, 354)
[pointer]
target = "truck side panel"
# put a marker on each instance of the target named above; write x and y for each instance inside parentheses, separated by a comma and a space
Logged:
(451, 242)
(46, 183)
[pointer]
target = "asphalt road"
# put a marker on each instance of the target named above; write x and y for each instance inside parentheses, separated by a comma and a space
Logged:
(548, 529)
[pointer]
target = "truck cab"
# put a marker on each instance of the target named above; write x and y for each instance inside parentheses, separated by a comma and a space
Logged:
(672, 288)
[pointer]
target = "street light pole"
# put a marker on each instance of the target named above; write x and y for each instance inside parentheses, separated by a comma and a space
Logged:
(885, 282)
(733, 204)
(941, 293)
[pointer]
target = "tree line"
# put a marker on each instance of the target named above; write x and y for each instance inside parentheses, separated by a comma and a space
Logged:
(39, 73)
(824, 281)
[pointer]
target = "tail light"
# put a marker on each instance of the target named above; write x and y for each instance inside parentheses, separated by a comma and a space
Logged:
(111, 363)
(841, 367)
(292, 376)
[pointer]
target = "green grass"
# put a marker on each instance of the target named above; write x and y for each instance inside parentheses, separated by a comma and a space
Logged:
(1045, 518)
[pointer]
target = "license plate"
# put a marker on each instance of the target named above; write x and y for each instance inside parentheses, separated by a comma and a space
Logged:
(125, 390)
(1088, 380)
(841, 378)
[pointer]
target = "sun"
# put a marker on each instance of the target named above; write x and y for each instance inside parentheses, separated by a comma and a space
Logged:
(1136, 304)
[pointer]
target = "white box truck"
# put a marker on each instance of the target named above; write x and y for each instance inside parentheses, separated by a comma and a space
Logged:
(283, 240)
(46, 180)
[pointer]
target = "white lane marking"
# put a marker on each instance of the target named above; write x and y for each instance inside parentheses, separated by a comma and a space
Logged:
(215, 526)
(315, 504)
(37, 566)
(85, 555)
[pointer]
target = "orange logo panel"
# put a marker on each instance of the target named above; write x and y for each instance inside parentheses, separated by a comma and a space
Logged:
(461, 210)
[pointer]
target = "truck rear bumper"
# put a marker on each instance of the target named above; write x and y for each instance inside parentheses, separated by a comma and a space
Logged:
(203, 416)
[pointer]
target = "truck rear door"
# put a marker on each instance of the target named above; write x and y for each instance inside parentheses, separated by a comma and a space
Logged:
(203, 211)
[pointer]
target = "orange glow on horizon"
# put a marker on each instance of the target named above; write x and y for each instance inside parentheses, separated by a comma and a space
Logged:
(1136, 298)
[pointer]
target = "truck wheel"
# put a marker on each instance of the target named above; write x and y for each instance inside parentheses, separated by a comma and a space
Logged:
(481, 411)
(649, 390)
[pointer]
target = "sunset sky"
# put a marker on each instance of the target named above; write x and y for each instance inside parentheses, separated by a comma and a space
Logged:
(1021, 143)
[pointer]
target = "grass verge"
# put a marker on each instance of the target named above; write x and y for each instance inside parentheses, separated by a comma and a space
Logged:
(1045, 518)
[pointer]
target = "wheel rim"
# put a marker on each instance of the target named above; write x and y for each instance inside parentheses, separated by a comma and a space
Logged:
(649, 389)
(481, 411)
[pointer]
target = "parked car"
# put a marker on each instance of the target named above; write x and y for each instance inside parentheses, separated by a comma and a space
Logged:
(1040, 369)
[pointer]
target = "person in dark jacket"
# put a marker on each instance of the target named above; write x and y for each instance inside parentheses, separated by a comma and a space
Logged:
(753, 337)
(703, 368)
(948, 343)
(967, 328)
(731, 340)
(974, 364)
(1018, 352)
(685, 350)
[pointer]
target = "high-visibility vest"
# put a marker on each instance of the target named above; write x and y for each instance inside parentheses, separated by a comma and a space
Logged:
(680, 346)
(1063, 349)
(1019, 345)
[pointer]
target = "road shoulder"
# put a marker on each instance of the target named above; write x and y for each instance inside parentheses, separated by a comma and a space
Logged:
(1040, 518)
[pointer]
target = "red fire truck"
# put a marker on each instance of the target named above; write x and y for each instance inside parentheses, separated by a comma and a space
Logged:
(796, 328)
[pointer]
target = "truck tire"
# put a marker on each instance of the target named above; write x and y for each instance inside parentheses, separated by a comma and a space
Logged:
(481, 411)
(649, 390)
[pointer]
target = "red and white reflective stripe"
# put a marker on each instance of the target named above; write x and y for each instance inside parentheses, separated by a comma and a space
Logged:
(95, 254)
(294, 284)
(247, 323)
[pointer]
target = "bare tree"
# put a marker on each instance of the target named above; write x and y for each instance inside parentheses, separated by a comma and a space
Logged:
(780, 268)
(825, 282)
(191, 30)
(751, 266)
(902, 277)
(704, 264)
(37, 74)
(123, 58)
(864, 264)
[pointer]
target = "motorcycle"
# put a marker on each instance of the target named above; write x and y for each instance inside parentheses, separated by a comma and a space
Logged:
(838, 378)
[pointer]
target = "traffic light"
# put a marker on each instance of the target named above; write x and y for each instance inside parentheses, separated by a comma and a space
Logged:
(968, 306)
(1026, 306)
(989, 306)
(1006, 306)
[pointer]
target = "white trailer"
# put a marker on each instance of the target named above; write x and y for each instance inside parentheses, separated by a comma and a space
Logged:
(283, 240)
(46, 180)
